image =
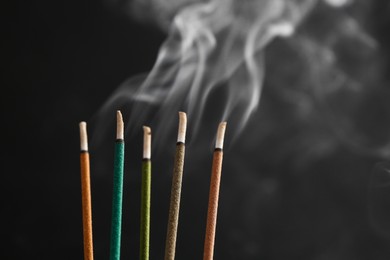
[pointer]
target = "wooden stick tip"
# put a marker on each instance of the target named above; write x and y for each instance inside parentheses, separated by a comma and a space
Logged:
(220, 135)
(181, 136)
(147, 142)
(83, 136)
(119, 126)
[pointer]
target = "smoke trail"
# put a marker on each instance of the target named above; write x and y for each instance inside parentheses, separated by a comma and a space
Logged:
(219, 46)
(211, 44)
(345, 72)
(326, 90)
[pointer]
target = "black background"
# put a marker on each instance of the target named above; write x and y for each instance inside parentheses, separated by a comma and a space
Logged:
(60, 62)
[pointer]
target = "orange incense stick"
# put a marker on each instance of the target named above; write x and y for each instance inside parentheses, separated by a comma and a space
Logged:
(214, 194)
(86, 193)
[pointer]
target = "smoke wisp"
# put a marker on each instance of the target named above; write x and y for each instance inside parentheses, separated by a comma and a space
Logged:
(213, 66)
(211, 45)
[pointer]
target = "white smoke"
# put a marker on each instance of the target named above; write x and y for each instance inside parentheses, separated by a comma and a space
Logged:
(211, 44)
(219, 46)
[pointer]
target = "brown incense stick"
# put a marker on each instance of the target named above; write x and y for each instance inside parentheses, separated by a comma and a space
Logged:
(177, 177)
(214, 194)
(86, 193)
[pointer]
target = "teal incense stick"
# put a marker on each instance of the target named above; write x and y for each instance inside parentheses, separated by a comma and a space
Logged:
(117, 196)
(145, 195)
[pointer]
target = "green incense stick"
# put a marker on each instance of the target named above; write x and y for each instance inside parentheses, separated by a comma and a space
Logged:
(145, 196)
(117, 196)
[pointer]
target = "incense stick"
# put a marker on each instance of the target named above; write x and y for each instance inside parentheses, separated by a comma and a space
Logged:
(86, 192)
(177, 177)
(145, 195)
(117, 196)
(214, 194)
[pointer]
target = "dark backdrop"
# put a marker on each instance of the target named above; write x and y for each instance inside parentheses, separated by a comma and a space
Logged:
(62, 59)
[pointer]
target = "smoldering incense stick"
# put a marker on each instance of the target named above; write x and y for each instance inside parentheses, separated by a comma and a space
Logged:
(173, 218)
(145, 195)
(86, 192)
(117, 196)
(214, 194)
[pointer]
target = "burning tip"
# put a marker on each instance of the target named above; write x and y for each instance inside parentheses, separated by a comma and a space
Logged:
(119, 126)
(181, 136)
(147, 142)
(83, 136)
(220, 135)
